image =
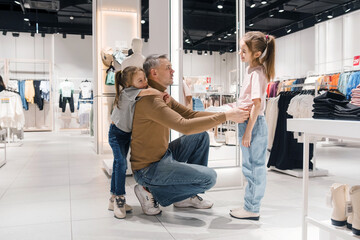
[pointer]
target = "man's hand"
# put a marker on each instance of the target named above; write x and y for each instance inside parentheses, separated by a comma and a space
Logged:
(237, 115)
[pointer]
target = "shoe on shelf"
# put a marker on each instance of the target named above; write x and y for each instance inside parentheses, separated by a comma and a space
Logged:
(213, 142)
(355, 201)
(119, 207)
(128, 208)
(339, 195)
(243, 214)
(148, 204)
(195, 202)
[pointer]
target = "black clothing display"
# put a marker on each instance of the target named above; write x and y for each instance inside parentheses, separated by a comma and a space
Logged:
(332, 105)
(288, 153)
(64, 100)
(38, 99)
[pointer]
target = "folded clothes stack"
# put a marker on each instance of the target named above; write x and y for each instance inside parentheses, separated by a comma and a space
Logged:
(332, 105)
(355, 96)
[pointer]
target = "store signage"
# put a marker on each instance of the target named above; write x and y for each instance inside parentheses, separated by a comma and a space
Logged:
(356, 61)
(208, 79)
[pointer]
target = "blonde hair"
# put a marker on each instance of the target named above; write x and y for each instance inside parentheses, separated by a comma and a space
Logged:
(123, 79)
(258, 41)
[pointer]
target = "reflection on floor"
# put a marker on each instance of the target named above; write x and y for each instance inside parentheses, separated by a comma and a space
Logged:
(54, 187)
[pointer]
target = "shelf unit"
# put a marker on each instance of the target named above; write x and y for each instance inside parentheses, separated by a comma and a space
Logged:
(33, 69)
(340, 129)
(2, 135)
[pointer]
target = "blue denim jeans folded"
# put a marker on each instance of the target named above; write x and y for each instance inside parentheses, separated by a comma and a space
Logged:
(253, 164)
(119, 142)
(181, 173)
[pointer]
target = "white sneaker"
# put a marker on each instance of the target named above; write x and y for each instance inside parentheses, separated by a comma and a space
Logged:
(195, 202)
(128, 208)
(119, 207)
(147, 201)
(243, 214)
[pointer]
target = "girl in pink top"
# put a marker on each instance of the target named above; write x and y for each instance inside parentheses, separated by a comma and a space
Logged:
(258, 50)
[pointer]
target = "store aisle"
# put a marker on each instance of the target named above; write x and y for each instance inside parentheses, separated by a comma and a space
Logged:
(54, 187)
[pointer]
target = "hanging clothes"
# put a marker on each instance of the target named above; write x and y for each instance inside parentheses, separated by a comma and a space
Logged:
(22, 95)
(45, 90)
(11, 112)
(343, 81)
(37, 98)
(286, 152)
(271, 115)
(29, 91)
(13, 85)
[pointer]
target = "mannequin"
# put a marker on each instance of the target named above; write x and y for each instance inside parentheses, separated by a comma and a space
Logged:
(136, 59)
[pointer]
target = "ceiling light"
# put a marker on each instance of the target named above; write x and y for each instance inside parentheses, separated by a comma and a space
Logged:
(4, 33)
(231, 50)
(71, 17)
(234, 32)
(318, 18)
(225, 36)
(300, 24)
(64, 35)
(209, 34)
(210, 52)
(205, 53)
(330, 14)
(199, 52)
(190, 51)
(252, 4)
(17, 2)
(16, 34)
(229, 33)
(264, 2)
(271, 13)
(219, 38)
(43, 34)
(82, 36)
(288, 29)
(32, 34)
(251, 24)
(185, 51)
(220, 6)
(347, 7)
(143, 21)
(26, 19)
(281, 9)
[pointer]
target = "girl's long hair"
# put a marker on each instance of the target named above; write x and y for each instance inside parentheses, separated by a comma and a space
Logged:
(123, 79)
(258, 41)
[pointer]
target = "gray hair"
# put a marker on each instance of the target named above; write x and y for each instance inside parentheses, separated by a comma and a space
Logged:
(151, 62)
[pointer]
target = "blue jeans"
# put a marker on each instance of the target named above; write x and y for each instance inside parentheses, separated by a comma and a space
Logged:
(181, 173)
(253, 163)
(119, 142)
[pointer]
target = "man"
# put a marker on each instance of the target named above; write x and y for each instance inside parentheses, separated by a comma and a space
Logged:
(172, 172)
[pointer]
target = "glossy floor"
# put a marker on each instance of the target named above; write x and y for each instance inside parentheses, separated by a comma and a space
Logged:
(54, 187)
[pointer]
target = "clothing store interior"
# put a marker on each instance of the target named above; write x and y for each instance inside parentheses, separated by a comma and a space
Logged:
(60, 62)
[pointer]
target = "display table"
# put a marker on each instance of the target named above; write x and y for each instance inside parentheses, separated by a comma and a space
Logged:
(2, 135)
(340, 129)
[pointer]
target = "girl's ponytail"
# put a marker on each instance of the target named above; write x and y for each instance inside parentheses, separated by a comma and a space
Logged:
(269, 59)
(117, 87)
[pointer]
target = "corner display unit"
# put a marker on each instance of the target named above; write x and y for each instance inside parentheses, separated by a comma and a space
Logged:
(340, 129)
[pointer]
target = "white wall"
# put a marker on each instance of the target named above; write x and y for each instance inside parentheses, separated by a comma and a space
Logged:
(337, 43)
(295, 54)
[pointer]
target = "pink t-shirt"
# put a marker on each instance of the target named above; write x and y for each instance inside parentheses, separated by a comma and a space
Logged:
(254, 86)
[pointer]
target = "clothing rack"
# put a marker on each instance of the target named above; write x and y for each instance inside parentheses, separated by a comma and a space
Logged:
(315, 172)
(2, 136)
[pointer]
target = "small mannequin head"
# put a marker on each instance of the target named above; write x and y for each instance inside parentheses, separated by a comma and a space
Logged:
(136, 45)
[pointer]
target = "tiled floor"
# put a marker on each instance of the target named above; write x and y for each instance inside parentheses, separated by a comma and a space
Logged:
(54, 187)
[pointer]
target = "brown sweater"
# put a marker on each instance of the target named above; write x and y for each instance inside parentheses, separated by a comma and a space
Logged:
(153, 120)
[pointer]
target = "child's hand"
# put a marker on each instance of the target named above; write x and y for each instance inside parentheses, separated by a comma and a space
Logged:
(166, 97)
(246, 139)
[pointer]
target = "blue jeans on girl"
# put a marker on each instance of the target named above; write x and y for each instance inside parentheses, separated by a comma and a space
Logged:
(253, 163)
(181, 173)
(119, 142)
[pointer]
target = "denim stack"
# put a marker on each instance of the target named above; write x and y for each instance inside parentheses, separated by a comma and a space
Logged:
(332, 105)
(198, 105)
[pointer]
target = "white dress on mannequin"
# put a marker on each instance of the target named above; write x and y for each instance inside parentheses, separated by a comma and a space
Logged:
(136, 59)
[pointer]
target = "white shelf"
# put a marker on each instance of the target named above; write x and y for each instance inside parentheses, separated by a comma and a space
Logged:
(299, 172)
(339, 129)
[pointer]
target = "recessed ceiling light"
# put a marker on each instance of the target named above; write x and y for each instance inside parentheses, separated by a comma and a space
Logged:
(251, 24)
(26, 19)
(288, 29)
(220, 6)
(143, 21)
(71, 18)
(225, 36)
(347, 7)
(209, 34)
(17, 2)
(263, 2)
(330, 14)
(205, 53)
(219, 38)
(271, 14)
(318, 17)
(281, 9)
(229, 34)
(252, 4)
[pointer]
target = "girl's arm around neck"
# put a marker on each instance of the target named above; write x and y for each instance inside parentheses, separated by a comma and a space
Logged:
(254, 113)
